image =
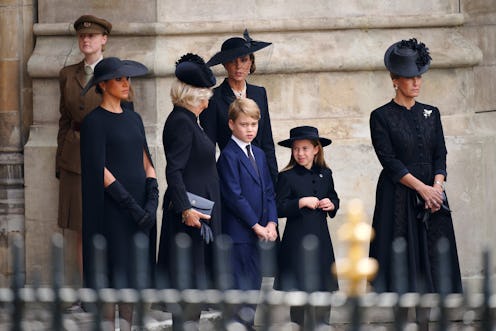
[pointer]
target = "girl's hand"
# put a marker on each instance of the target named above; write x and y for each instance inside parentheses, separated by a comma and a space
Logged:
(309, 202)
(191, 217)
(326, 205)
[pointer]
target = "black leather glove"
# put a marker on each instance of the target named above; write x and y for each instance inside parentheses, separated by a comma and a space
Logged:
(206, 232)
(151, 204)
(120, 195)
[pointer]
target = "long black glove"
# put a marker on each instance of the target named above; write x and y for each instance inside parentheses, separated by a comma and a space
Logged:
(151, 204)
(206, 232)
(120, 195)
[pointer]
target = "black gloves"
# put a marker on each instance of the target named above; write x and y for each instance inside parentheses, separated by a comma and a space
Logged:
(206, 232)
(151, 204)
(120, 195)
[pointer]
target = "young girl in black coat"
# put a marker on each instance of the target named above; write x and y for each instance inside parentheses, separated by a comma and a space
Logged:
(305, 195)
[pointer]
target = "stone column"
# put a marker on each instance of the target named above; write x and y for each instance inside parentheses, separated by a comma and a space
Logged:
(16, 20)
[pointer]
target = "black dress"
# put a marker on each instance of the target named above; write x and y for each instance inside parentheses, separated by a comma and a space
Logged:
(409, 141)
(115, 141)
(191, 166)
(292, 185)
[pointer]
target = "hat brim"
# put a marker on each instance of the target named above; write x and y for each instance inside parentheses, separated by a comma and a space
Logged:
(231, 54)
(289, 142)
(402, 71)
(128, 68)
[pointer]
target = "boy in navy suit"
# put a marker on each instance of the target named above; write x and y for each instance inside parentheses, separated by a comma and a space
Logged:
(249, 212)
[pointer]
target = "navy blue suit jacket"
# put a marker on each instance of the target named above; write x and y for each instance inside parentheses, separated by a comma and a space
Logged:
(215, 123)
(247, 197)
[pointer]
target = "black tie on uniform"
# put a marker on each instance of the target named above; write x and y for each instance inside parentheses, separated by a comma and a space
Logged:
(252, 159)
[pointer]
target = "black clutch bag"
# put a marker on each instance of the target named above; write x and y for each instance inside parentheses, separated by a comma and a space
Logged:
(200, 204)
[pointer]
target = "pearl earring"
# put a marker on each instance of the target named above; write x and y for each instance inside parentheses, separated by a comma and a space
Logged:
(395, 87)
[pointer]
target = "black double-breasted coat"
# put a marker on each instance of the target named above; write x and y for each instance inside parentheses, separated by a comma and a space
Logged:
(191, 166)
(292, 185)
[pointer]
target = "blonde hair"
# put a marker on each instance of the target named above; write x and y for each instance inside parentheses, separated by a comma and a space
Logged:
(318, 159)
(188, 96)
(243, 106)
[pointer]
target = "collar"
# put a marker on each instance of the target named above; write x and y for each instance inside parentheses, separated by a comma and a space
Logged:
(241, 144)
(94, 64)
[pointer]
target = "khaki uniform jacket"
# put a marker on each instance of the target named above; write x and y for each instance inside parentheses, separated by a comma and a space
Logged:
(73, 109)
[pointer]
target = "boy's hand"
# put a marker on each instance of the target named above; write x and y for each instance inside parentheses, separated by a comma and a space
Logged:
(271, 231)
(326, 205)
(261, 232)
(309, 202)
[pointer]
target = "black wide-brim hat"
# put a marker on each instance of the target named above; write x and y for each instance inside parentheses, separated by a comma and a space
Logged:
(407, 58)
(113, 67)
(236, 47)
(192, 70)
(304, 132)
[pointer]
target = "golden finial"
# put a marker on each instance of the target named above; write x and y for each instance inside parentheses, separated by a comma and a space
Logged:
(357, 234)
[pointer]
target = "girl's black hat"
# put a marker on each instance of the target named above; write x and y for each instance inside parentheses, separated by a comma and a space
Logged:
(304, 132)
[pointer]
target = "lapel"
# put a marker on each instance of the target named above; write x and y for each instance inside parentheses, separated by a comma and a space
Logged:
(227, 93)
(245, 161)
(80, 75)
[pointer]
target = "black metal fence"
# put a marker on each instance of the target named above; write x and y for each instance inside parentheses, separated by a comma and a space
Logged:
(42, 308)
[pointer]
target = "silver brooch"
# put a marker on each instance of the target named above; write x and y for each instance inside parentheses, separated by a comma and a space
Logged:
(320, 175)
(427, 113)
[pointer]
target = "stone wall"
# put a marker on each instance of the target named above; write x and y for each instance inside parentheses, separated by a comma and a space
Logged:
(16, 44)
(325, 68)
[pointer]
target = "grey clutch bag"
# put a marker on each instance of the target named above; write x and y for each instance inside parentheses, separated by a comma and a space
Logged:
(200, 203)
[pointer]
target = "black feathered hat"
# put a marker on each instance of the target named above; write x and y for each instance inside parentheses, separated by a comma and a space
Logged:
(407, 58)
(192, 70)
(236, 47)
(304, 132)
(113, 67)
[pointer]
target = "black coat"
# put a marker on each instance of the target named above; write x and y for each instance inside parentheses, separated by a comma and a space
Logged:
(214, 120)
(409, 141)
(191, 166)
(292, 185)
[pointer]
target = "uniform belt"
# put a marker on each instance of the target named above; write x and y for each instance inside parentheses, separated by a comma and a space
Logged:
(76, 126)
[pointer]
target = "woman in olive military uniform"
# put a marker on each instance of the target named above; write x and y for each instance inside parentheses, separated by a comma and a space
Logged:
(92, 34)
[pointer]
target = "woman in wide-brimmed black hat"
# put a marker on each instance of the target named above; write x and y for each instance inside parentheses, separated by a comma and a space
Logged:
(410, 201)
(305, 196)
(236, 55)
(119, 185)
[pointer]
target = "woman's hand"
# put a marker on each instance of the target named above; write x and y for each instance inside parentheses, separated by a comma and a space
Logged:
(432, 196)
(309, 202)
(191, 217)
(326, 204)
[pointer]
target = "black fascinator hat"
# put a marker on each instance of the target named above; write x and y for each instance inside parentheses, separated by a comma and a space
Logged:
(113, 67)
(304, 132)
(192, 70)
(236, 47)
(407, 58)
